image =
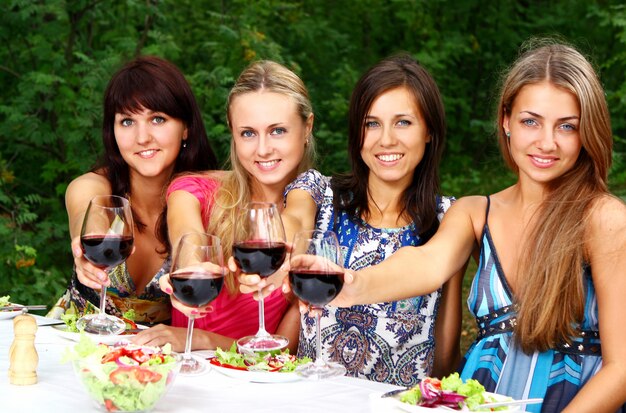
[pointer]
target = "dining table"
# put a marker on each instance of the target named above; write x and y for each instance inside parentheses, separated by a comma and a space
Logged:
(59, 390)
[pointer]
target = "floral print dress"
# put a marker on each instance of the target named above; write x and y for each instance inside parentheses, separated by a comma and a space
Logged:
(391, 342)
(151, 307)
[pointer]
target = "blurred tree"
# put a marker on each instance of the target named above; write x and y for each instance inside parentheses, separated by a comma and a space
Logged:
(58, 55)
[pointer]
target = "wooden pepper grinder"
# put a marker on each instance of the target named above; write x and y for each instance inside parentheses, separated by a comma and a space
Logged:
(23, 356)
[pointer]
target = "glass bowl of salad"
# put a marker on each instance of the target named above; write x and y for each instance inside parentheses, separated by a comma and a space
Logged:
(124, 378)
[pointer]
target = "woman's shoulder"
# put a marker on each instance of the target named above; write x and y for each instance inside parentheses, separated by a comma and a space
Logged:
(312, 175)
(91, 182)
(190, 181)
(607, 213)
(310, 181)
(470, 203)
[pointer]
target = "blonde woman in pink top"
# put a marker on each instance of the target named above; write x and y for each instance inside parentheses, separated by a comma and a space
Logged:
(271, 121)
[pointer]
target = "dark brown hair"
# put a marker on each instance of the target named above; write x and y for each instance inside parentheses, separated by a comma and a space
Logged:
(155, 84)
(420, 197)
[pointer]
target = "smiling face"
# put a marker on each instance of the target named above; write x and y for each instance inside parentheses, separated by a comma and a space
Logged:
(544, 126)
(395, 138)
(149, 141)
(269, 136)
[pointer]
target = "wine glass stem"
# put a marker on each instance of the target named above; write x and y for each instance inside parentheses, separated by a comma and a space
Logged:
(188, 340)
(318, 338)
(262, 331)
(103, 301)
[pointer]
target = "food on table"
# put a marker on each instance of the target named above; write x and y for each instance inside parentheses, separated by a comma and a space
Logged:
(70, 321)
(126, 378)
(271, 361)
(449, 392)
(4, 301)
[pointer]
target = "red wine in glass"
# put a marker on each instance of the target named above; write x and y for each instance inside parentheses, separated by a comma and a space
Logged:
(259, 248)
(196, 289)
(316, 287)
(106, 239)
(317, 280)
(197, 277)
(106, 251)
(259, 257)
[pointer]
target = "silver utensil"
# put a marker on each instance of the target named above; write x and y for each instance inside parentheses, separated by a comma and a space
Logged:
(509, 403)
(23, 307)
(393, 392)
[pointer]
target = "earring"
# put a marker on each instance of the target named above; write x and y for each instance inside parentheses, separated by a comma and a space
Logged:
(508, 135)
(184, 144)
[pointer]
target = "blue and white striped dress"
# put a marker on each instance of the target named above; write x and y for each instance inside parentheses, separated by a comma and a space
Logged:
(501, 366)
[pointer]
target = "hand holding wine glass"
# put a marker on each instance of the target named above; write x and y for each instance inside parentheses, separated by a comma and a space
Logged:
(106, 239)
(317, 281)
(197, 277)
(260, 248)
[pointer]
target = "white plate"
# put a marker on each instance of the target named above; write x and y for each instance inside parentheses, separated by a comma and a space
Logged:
(6, 315)
(393, 405)
(61, 330)
(256, 376)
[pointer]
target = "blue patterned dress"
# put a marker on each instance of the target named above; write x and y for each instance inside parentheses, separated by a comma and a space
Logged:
(496, 361)
(389, 342)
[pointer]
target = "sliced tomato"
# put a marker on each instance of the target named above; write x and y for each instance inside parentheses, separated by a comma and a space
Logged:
(110, 406)
(130, 324)
(114, 355)
(142, 375)
(121, 375)
(215, 362)
(138, 355)
(147, 375)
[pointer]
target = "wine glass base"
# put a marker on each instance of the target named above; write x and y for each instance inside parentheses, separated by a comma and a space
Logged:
(261, 343)
(192, 366)
(101, 324)
(326, 370)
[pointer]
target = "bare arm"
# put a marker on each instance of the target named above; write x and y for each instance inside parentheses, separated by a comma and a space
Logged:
(448, 327)
(299, 213)
(413, 271)
(606, 246)
(183, 215)
(77, 196)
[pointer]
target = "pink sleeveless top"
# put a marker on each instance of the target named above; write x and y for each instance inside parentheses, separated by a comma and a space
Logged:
(235, 315)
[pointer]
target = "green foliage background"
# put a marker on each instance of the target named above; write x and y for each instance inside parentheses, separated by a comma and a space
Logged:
(56, 57)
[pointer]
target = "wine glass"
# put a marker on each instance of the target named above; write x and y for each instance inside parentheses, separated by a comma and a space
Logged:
(259, 248)
(197, 277)
(106, 238)
(317, 284)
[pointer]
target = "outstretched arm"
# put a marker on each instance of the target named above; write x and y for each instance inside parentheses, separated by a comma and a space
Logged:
(183, 216)
(299, 213)
(413, 271)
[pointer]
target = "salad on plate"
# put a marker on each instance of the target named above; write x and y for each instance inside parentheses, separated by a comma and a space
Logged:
(123, 378)
(8, 309)
(453, 393)
(271, 366)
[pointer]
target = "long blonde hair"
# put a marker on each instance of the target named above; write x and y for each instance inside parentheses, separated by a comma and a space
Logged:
(235, 189)
(551, 295)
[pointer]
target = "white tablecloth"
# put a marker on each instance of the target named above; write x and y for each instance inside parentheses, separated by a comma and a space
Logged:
(58, 390)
